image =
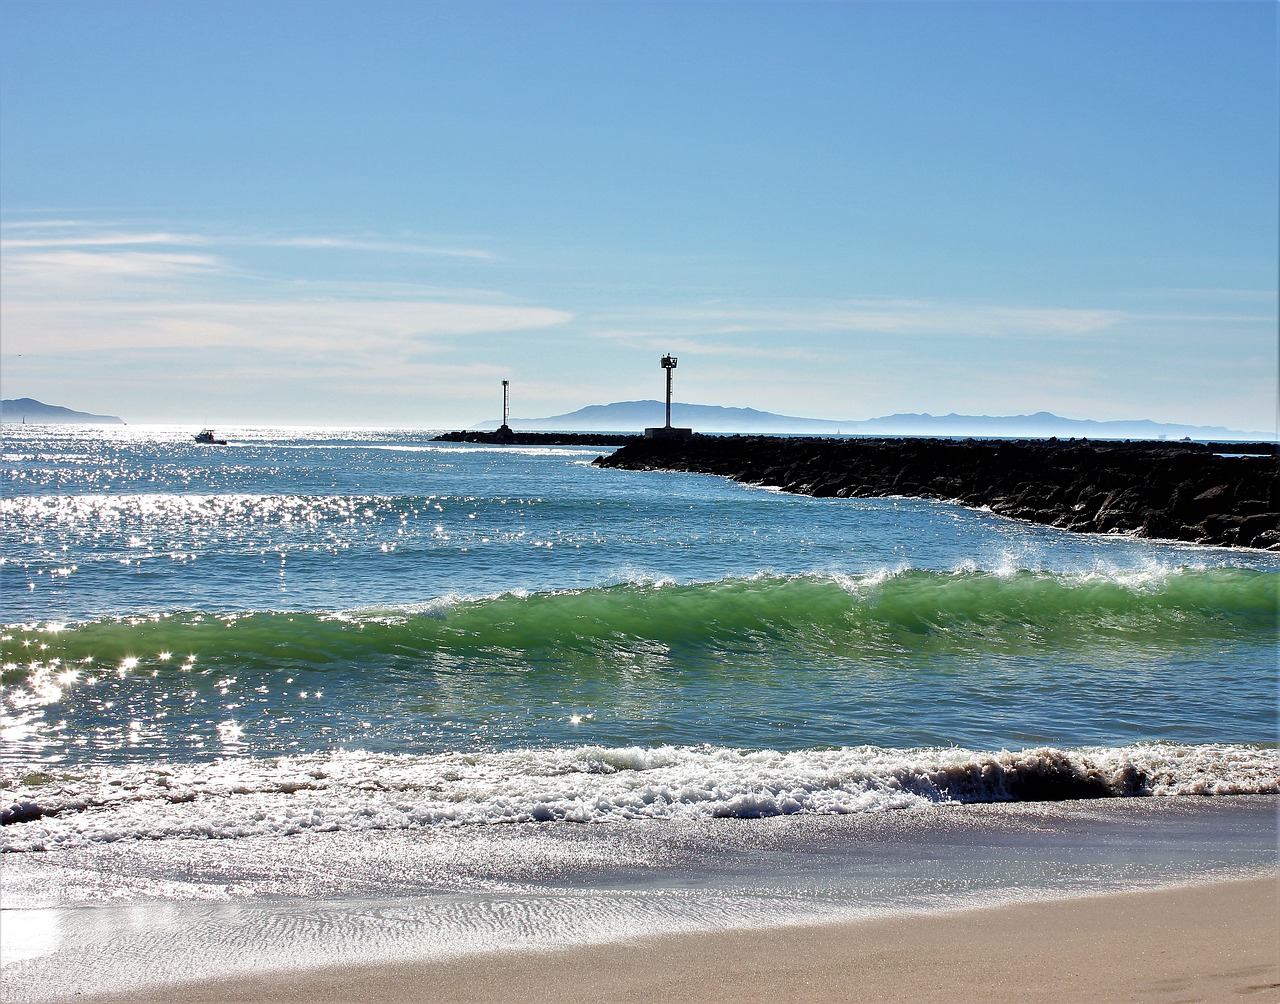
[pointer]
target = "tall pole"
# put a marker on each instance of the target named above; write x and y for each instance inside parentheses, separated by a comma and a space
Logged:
(505, 400)
(668, 364)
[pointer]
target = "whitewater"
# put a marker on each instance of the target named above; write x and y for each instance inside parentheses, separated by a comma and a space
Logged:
(515, 699)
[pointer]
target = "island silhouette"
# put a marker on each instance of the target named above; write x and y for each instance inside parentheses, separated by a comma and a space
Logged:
(29, 410)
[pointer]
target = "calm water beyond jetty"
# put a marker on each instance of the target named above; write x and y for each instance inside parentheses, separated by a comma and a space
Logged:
(1223, 494)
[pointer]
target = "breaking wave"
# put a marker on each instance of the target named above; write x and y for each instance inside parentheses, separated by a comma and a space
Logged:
(806, 616)
(363, 791)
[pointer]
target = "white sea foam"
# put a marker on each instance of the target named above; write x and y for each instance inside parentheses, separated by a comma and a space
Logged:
(348, 791)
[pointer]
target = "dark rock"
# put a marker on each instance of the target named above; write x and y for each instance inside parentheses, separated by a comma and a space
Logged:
(1268, 540)
(1212, 500)
(1255, 526)
(1221, 528)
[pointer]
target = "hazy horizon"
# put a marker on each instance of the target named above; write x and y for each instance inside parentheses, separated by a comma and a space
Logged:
(738, 419)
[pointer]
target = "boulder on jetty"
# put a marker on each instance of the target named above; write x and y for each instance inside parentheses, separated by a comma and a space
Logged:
(1218, 494)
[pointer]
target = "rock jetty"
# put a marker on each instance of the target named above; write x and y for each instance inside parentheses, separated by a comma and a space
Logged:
(1219, 494)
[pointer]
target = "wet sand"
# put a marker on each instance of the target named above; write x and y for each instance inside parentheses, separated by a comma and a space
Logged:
(1210, 942)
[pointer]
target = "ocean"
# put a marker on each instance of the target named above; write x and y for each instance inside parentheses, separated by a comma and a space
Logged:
(327, 695)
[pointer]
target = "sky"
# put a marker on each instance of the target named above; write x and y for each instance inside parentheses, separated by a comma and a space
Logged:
(371, 214)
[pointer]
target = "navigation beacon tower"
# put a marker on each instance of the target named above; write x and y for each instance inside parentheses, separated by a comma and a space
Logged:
(668, 431)
(504, 430)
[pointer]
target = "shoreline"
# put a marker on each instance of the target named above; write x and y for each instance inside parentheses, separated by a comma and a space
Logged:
(1212, 940)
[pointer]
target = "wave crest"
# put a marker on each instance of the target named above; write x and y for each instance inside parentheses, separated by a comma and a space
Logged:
(807, 616)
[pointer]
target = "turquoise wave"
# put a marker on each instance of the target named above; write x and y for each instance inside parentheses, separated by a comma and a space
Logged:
(781, 618)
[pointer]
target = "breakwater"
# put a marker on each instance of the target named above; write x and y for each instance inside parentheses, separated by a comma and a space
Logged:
(1219, 494)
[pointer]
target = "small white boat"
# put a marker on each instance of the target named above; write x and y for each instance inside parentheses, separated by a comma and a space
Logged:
(207, 436)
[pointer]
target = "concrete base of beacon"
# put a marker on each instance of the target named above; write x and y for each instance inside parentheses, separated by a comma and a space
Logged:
(667, 432)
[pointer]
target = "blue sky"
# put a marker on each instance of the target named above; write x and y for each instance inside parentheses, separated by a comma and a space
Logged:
(372, 214)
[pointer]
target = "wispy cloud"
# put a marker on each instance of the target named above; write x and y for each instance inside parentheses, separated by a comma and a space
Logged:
(97, 240)
(310, 326)
(45, 234)
(873, 316)
(382, 246)
(30, 273)
(649, 339)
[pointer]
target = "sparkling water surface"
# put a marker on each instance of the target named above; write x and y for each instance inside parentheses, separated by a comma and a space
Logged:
(307, 590)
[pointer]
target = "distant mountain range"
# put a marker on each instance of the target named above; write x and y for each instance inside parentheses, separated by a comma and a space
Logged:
(632, 416)
(25, 409)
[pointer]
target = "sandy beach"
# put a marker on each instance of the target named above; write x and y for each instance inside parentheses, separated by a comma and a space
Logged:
(1208, 942)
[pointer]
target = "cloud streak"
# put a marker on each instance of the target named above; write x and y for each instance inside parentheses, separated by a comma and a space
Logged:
(874, 316)
(310, 326)
(82, 272)
(98, 240)
(40, 235)
(387, 247)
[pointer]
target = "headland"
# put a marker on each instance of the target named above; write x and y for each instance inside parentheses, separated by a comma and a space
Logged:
(26, 410)
(1224, 494)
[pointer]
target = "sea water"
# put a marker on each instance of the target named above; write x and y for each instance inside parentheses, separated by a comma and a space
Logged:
(294, 683)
